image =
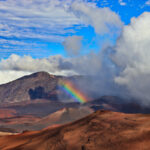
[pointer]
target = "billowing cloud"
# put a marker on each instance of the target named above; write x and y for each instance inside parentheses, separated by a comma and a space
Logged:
(89, 64)
(27, 63)
(132, 56)
(73, 44)
(16, 66)
(102, 19)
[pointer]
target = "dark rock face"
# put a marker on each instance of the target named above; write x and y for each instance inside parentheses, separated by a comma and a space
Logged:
(37, 93)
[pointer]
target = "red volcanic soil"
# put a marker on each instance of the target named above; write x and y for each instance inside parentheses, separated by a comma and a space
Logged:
(6, 113)
(102, 130)
(19, 120)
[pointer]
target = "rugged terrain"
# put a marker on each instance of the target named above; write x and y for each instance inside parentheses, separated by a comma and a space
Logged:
(40, 85)
(102, 130)
(31, 103)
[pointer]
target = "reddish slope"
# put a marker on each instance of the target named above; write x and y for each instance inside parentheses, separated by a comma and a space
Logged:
(102, 130)
(30, 122)
(6, 113)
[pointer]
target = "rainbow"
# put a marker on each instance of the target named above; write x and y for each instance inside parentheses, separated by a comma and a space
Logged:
(70, 88)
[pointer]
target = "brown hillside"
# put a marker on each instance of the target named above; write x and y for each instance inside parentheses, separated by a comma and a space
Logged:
(103, 130)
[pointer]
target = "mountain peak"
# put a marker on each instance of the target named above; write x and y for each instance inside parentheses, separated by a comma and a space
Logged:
(41, 73)
(38, 75)
(38, 85)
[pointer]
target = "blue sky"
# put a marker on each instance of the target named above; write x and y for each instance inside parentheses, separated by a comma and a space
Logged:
(25, 29)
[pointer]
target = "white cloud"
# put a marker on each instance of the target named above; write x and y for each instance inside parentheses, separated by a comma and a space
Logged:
(72, 44)
(57, 65)
(7, 76)
(50, 20)
(122, 3)
(132, 55)
(103, 20)
(37, 19)
(27, 63)
(15, 42)
(46, 20)
(147, 2)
